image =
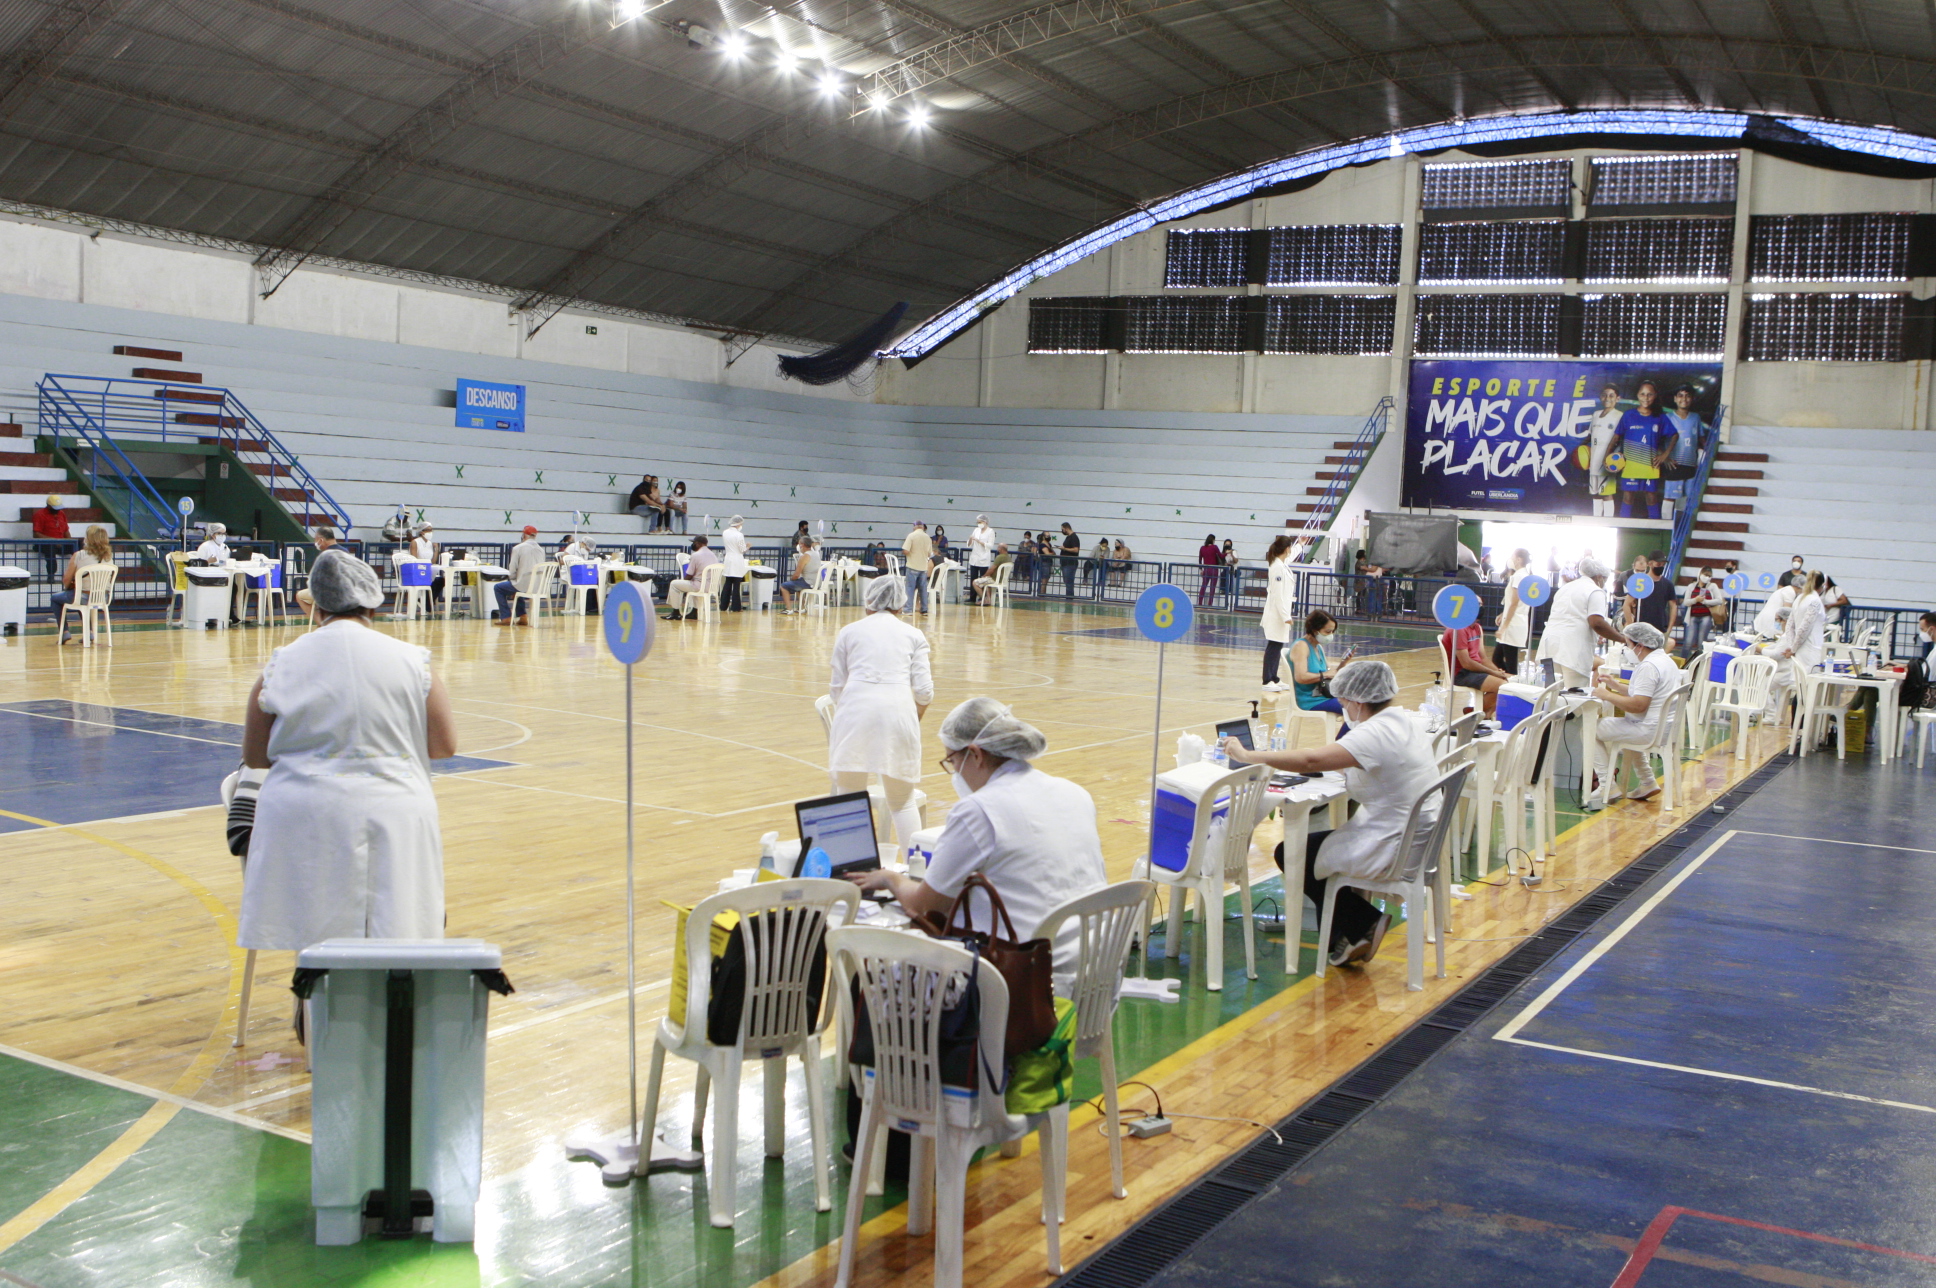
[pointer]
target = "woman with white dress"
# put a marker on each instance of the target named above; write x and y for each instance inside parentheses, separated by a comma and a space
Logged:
(346, 721)
(1803, 642)
(1602, 432)
(1515, 620)
(1280, 601)
(732, 564)
(881, 687)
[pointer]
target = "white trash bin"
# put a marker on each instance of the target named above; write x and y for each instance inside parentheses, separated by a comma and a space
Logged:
(207, 598)
(408, 1013)
(762, 581)
(13, 598)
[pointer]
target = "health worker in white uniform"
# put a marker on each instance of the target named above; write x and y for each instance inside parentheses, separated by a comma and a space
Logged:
(1578, 614)
(1774, 614)
(1280, 601)
(215, 551)
(346, 720)
(732, 564)
(1640, 700)
(1388, 763)
(981, 554)
(881, 687)
(1031, 834)
(1803, 642)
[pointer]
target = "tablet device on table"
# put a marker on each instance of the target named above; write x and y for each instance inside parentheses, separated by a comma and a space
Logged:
(843, 826)
(1238, 729)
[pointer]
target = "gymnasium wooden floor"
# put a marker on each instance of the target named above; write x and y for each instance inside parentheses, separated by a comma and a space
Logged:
(117, 967)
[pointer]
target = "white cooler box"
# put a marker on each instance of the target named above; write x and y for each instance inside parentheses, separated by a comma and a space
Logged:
(13, 598)
(408, 1014)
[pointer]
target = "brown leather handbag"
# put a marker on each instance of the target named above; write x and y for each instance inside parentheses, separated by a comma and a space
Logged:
(1027, 966)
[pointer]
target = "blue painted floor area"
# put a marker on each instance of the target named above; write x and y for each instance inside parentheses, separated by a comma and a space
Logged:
(75, 762)
(1248, 637)
(1775, 960)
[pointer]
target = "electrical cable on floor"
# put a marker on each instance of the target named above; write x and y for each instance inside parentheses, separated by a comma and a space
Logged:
(1103, 1123)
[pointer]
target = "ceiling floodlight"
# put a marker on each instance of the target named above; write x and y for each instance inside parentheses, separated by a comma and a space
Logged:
(787, 61)
(918, 116)
(624, 11)
(830, 83)
(734, 46)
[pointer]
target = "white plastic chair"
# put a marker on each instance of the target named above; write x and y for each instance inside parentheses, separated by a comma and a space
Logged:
(93, 593)
(824, 707)
(782, 925)
(413, 587)
(1503, 793)
(1918, 725)
(542, 578)
(1744, 697)
(1700, 703)
(1421, 847)
(905, 983)
(996, 591)
(1530, 788)
(581, 579)
(816, 595)
(177, 614)
(1107, 922)
(704, 598)
(1328, 721)
(1210, 866)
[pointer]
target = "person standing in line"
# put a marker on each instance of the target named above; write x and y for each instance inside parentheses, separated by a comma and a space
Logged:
(940, 539)
(881, 685)
(1099, 562)
(1797, 573)
(1661, 607)
(1229, 568)
(1577, 616)
(51, 533)
(346, 720)
(1211, 560)
(1071, 553)
(1279, 602)
(1515, 620)
(1700, 598)
(981, 554)
(917, 562)
(526, 557)
(697, 562)
(1722, 610)
(733, 564)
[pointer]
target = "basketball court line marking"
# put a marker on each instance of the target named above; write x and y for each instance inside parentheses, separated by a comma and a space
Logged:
(1509, 1033)
(1656, 1233)
(149, 1093)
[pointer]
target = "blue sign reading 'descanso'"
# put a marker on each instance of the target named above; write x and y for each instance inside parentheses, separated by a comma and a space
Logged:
(482, 404)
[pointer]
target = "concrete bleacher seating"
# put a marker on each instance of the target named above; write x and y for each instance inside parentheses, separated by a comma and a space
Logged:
(1851, 502)
(375, 423)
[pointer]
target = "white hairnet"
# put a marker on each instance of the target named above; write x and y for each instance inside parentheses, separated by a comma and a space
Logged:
(340, 583)
(886, 594)
(1367, 681)
(217, 530)
(1593, 569)
(981, 518)
(735, 521)
(1646, 635)
(986, 723)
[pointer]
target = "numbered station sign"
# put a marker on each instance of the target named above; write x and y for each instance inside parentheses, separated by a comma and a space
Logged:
(1640, 585)
(1164, 613)
(628, 622)
(1767, 581)
(1456, 607)
(1535, 590)
(1735, 584)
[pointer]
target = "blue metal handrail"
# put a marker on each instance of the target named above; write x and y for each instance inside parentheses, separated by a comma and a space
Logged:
(120, 406)
(1691, 504)
(63, 412)
(1345, 479)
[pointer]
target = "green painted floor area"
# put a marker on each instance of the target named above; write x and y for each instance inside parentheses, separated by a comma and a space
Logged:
(50, 1124)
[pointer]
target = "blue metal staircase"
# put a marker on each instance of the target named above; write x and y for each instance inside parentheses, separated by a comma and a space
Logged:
(1342, 480)
(100, 413)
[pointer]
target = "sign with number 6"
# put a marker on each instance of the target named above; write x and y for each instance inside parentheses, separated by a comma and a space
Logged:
(1535, 590)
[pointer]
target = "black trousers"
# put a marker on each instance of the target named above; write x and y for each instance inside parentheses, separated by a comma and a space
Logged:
(729, 594)
(1352, 915)
(1506, 657)
(1273, 650)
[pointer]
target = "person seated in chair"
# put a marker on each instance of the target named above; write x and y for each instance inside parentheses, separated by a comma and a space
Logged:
(525, 559)
(987, 579)
(1640, 701)
(697, 562)
(1388, 762)
(1464, 651)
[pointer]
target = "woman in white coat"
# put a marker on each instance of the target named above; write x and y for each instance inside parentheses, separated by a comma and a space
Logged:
(346, 721)
(881, 687)
(1280, 601)
(1803, 642)
(732, 564)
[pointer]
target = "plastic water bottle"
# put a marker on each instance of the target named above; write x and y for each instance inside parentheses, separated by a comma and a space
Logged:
(1213, 755)
(1277, 741)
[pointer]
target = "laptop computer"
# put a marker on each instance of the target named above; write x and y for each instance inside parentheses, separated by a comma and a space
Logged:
(843, 826)
(1238, 729)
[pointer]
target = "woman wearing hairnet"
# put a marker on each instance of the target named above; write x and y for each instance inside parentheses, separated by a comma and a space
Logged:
(881, 687)
(1033, 835)
(1579, 613)
(1387, 760)
(346, 721)
(732, 564)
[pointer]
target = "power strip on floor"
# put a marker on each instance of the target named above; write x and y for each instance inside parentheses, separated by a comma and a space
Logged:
(1152, 1125)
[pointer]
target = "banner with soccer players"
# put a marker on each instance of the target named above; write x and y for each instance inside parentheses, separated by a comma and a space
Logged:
(1616, 439)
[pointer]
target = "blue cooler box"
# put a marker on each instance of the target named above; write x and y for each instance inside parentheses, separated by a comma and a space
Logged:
(1717, 667)
(1515, 703)
(1173, 821)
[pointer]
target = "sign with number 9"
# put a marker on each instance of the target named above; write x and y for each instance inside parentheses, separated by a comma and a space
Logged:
(1456, 607)
(1164, 613)
(1535, 590)
(629, 624)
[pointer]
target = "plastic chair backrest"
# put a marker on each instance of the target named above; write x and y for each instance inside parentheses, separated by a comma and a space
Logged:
(542, 578)
(1422, 840)
(1002, 572)
(1667, 726)
(583, 574)
(1749, 680)
(1548, 697)
(781, 924)
(1246, 788)
(710, 578)
(96, 583)
(178, 569)
(906, 982)
(824, 707)
(1109, 919)
(413, 573)
(1463, 728)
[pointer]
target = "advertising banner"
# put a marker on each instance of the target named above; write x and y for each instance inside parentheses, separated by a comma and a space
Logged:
(1557, 436)
(483, 405)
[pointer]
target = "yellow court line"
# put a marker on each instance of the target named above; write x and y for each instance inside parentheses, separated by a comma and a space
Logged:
(124, 1147)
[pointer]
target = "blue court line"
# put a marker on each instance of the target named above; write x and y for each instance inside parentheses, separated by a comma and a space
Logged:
(77, 762)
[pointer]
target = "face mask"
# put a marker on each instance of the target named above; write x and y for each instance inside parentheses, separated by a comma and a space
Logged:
(962, 790)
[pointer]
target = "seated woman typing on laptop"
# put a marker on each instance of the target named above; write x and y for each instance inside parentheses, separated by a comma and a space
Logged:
(1033, 835)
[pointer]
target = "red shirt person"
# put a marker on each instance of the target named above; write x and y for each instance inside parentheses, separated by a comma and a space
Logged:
(1464, 651)
(50, 524)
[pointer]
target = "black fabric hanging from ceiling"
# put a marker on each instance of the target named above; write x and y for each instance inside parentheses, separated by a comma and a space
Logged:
(845, 358)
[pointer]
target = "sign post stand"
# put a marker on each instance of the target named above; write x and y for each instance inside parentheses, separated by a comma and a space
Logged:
(629, 627)
(1163, 613)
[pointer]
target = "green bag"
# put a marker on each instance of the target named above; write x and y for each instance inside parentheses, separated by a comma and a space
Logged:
(1041, 1079)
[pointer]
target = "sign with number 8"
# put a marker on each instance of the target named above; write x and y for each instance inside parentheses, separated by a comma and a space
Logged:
(1164, 613)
